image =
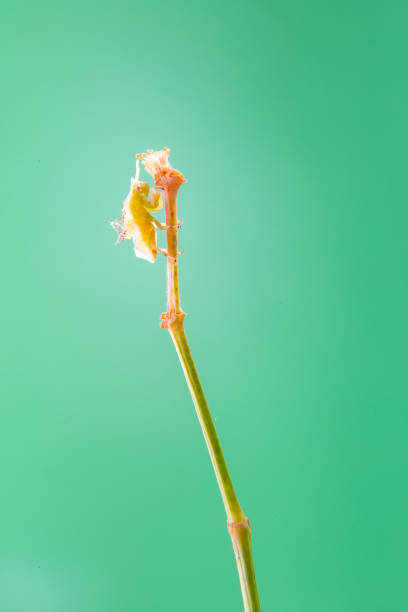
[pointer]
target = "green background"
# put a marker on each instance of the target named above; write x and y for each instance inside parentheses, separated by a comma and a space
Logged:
(288, 121)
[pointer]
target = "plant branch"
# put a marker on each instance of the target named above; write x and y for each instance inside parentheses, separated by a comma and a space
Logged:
(173, 319)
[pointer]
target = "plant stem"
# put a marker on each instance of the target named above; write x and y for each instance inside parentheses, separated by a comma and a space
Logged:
(238, 524)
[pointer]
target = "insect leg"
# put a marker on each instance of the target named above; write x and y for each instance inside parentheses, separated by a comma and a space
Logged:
(165, 253)
(158, 224)
(162, 226)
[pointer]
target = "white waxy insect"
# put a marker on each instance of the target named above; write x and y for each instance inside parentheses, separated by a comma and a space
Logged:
(137, 222)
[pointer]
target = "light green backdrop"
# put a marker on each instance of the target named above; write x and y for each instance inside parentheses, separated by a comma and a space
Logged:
(288, 122)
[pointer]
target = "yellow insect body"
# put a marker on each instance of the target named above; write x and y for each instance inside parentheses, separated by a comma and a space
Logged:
(137, 223)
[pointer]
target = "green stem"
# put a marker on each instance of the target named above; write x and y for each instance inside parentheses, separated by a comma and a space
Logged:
(231, 503)
(238, 524)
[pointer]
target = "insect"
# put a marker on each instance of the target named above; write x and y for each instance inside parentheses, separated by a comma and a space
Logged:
(137, 222)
